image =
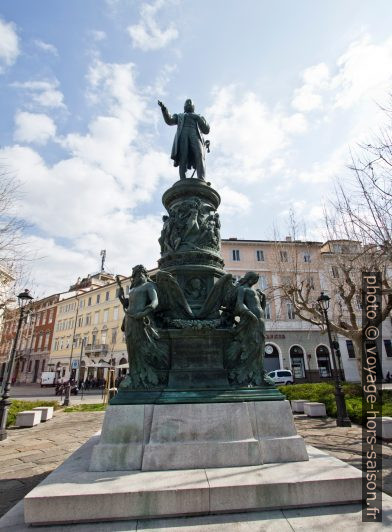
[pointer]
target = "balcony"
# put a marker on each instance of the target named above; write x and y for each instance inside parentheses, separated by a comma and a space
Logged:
(96, 348)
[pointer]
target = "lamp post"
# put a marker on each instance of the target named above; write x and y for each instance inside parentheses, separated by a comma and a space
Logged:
(342, 419)
(23, 299)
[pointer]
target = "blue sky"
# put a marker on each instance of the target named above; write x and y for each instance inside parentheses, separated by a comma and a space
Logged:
(287, 87)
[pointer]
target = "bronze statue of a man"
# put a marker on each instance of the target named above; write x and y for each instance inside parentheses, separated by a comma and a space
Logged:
(188, 147)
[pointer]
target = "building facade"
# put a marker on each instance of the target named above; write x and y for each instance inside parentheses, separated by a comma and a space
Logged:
(292, 343)
(87, 336)
(78, 333)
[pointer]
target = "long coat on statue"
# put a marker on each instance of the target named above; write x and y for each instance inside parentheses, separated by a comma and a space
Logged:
(178, 119)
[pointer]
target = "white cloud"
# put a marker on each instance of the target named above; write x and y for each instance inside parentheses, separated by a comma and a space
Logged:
(247, 134)
(233, 202)
(33, 127)
(46, 47)
(365, 71)
(362, 73)
(322, 172)
(98, 35)
(9, 44)
(43, 93)
(307, 97)
(113, 169)
(147, 35)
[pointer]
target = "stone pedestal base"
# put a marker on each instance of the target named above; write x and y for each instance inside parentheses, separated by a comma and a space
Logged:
(72, 494)
(191, 436)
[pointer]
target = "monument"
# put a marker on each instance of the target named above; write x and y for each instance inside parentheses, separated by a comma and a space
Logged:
(196, 426)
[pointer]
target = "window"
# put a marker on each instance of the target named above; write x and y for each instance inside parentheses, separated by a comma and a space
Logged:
(50, 318)
(43, 365)
(47, 336)
(89, 302)
(94, 339)
(98, 298)
(290, 311)
(30, 364)
(335, 272)
(283, 256)
(236, 254)
(268, 311)
(103, 337)
(260, 255)
(115, 313)
(96, 318)
(41, 337)
(117, 292)
(80, 321)
(310, 282)
(388, 347)
(262, 282)
(283, 373)
(323, 361)
(107, 295)
(105, 315)
(307, 257)
(44, 316)
(114, 336)
(350, 349)
(87, 320)
(297, 361)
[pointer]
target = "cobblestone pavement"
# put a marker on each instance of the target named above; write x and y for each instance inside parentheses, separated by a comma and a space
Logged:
(29, 455)
(343, 442)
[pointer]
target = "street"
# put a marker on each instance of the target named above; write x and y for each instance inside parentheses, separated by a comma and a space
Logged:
(34, 392)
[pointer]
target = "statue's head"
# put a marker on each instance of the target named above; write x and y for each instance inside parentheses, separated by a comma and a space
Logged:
(188, 106)
(139, 273)
(250, 278)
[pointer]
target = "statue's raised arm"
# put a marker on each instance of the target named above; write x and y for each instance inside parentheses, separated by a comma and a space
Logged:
(188, 149)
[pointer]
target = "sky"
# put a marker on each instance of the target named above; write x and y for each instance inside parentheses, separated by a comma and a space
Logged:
(288, 88)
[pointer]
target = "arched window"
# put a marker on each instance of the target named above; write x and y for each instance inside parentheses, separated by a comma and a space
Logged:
(123, 370)
(297, 361)
(271, 358)
(323, 361)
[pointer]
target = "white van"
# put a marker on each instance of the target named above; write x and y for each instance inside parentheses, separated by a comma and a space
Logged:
(281, 376)
(48, 378)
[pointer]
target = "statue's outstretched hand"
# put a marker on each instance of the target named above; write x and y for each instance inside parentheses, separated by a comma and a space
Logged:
(160, 104)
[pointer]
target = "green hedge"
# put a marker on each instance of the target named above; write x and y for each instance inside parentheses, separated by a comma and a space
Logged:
(324, 393)
(19, 406)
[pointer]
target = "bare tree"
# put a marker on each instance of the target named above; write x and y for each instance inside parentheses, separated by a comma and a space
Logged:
(13, 254)
(363, 201)
(336, 266)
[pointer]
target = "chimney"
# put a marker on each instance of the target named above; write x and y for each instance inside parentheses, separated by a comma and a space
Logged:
(288, 239)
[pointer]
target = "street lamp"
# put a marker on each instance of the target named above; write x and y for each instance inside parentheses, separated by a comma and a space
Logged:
(342, 419)
(23, 299)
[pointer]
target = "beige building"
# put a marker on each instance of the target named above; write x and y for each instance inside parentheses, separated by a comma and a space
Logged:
(87, 333)
(291, 342)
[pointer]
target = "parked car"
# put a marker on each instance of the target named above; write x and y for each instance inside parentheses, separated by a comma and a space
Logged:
(281, 376)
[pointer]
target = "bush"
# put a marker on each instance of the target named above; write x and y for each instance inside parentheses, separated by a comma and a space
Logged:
(325, 393)
(19, 406)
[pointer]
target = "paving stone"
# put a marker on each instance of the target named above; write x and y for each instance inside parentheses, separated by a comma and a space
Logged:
(67, 431)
